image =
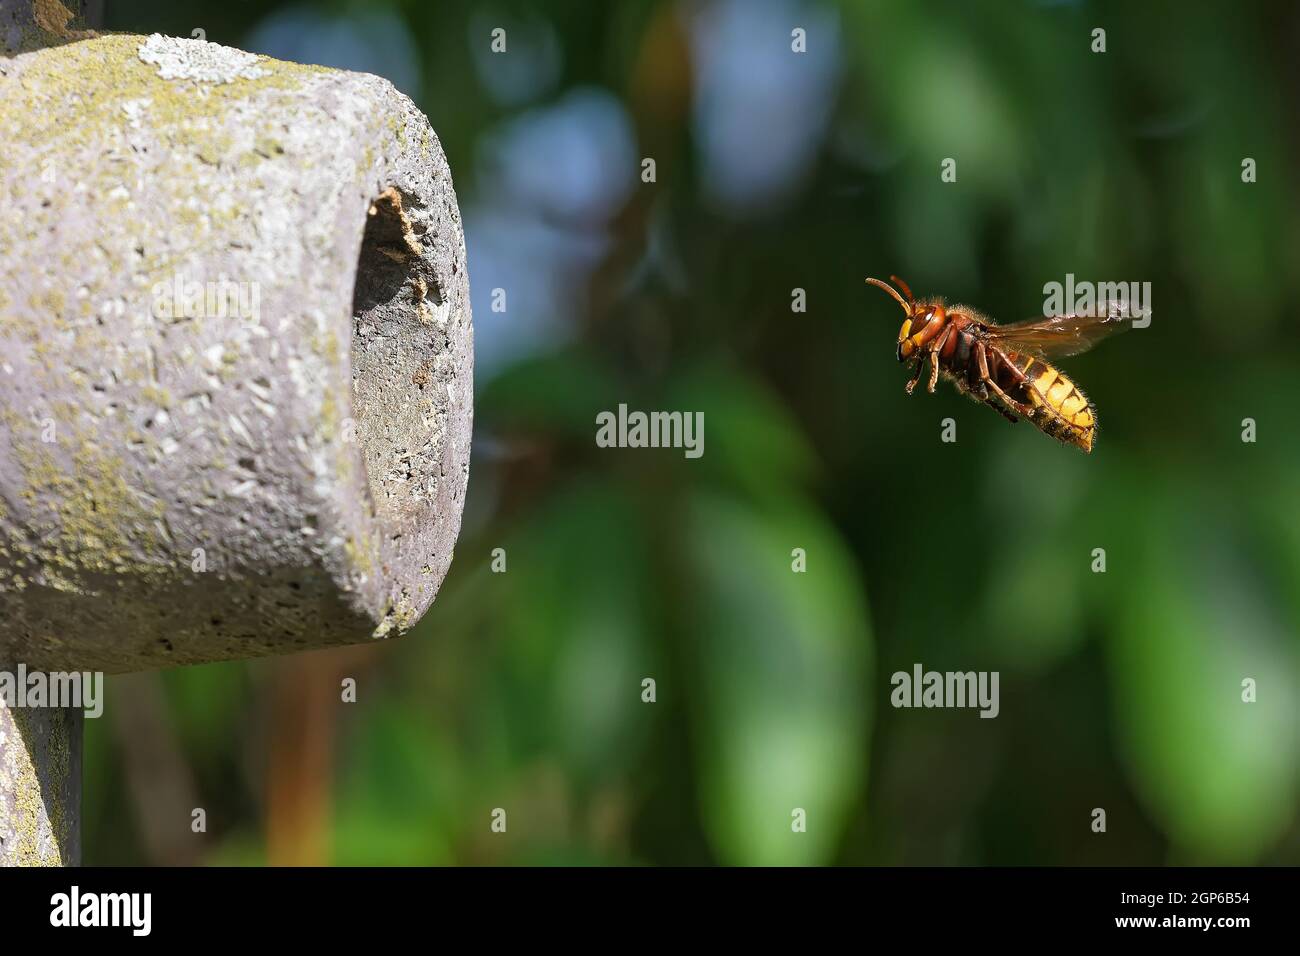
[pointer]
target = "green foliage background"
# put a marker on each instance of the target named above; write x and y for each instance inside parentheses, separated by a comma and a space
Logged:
(1119, 690)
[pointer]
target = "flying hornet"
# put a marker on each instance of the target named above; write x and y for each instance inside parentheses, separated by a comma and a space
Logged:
(1006, 366)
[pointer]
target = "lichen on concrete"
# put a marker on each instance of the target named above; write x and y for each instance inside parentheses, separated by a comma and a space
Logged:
(40, 786)
(180, 59)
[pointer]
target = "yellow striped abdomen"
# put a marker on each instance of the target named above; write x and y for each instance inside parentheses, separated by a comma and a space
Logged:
(1063, 411)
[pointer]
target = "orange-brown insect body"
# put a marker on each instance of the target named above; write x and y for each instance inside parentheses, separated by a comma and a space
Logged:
(978, 356)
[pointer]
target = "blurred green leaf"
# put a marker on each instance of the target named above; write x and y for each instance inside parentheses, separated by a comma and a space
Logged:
(574, 624)
(397, 800)
(1220, 774)
(780, 698)
(751, 440)
(563, 391)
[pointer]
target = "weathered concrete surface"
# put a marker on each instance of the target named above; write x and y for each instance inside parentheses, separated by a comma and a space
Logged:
(278, 467)
(40, 786)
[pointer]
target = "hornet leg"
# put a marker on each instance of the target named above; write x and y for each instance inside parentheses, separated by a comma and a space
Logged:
(939, 343)
(920, 370)
(982, 360)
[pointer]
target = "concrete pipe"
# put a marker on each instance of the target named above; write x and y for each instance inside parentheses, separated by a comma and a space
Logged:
(235, 355)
